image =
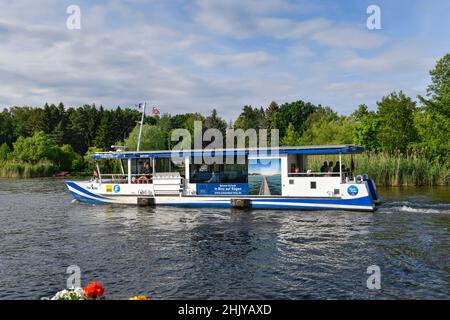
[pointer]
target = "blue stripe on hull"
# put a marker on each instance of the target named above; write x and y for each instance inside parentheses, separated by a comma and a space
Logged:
(77, 187)
(363, 205)
(197, 204)
(364, 201)
(309, 208)
(87, 200)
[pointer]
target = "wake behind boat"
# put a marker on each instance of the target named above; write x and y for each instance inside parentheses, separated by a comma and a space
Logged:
(268, 178)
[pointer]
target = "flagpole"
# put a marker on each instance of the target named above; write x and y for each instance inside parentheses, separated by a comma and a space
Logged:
(140, 129)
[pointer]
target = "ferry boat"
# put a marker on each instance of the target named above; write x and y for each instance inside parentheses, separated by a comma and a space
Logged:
(265, 178)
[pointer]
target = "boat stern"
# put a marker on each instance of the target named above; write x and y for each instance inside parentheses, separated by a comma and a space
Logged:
(358, 195)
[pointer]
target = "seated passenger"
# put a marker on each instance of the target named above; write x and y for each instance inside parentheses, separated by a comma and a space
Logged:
(336, 167)
(324, 167)
(145, 173)
(329, 169)
(293, 166)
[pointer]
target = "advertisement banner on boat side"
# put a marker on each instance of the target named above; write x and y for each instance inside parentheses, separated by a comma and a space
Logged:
(222, 189)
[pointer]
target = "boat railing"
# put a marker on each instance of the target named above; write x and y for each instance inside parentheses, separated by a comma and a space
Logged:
(313, 174)
(121, 178)
(346, 176)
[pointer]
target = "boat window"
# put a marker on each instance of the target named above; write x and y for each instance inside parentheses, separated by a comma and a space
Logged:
(218, 173)
(137, 165)
(296, 164)
(108, 166)
(167, 165)
(324, 165)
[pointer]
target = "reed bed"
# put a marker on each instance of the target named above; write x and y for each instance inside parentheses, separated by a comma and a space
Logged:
(20, 169)
(392, 170)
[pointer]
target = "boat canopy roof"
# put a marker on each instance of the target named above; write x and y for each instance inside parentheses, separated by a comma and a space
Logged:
(307, 150)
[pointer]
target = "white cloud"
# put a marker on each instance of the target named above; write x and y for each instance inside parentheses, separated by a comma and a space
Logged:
(242, 60)
(250, 18)
(345, 37)
(286, 28)
(406, 56)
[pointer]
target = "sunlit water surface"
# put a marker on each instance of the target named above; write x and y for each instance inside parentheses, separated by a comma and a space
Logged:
(206, 253)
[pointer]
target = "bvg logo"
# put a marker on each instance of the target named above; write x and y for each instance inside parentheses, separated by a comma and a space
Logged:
(116, 188)
(352, 190)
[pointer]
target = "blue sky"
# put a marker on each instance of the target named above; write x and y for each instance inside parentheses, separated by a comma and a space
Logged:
(192, 56)
(264, 167)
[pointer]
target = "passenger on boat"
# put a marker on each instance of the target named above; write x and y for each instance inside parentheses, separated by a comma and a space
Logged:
(94, 175)
(146, 174)
(293, 166)
(324, 167)
(336, 167)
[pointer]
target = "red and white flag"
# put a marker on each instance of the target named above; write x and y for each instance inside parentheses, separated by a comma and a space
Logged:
(155, 111)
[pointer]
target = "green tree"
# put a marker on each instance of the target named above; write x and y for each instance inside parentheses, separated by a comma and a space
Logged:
(272, 109)
(153, 138)
(327, 128)
(438, 92)
(291, 138)
(68, 159)
(295, 112)
(36, 121)
(433, 119)
(38, 147)
(213, 121)
(78, 131)
(250, 118)
(105, 137)
(6, 128)
(4, 151)
(20, 117)
(396, 115)
(366, 128)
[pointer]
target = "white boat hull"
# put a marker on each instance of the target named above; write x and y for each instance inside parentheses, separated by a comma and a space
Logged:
(91, 193)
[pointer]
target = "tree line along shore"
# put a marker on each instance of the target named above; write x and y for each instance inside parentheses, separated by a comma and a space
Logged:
(407, 140)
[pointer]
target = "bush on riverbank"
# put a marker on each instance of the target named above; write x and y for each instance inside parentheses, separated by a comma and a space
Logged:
(22, 169)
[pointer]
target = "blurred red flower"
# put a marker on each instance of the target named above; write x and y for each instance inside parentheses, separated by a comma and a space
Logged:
(94, 290)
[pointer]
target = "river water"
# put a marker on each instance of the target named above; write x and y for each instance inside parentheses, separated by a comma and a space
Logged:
(179, 253)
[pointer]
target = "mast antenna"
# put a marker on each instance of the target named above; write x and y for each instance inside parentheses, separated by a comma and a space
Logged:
(140, 129)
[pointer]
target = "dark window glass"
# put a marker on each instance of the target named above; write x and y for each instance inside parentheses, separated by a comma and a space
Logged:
(313, 185)
(218, 173)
